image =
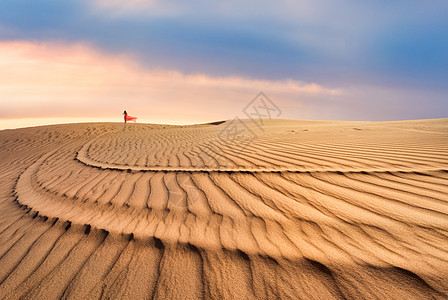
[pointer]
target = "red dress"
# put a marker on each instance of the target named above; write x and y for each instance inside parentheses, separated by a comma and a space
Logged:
(129, 118)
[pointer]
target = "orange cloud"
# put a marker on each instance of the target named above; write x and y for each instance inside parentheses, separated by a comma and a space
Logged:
(57, 80)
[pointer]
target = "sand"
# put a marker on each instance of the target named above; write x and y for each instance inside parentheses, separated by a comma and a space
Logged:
(231, 210)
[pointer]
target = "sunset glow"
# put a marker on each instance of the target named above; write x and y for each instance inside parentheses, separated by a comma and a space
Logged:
(169, 63)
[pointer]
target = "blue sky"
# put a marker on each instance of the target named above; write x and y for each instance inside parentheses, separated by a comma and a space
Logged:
(395, 49)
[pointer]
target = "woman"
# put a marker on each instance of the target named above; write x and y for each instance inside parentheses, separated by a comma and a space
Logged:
(128, 117)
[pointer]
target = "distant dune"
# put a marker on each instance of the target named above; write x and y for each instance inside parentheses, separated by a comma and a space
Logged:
(228, 210)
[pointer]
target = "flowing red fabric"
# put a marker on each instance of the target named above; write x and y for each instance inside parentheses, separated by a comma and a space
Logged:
(129, 118)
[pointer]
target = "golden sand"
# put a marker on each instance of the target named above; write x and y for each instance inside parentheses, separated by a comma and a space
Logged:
(232, 210)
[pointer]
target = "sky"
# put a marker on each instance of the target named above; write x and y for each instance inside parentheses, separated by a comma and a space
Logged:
(183, 62)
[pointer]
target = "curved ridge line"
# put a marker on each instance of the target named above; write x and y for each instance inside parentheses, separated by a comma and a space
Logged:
(82, 158)
(25, 196)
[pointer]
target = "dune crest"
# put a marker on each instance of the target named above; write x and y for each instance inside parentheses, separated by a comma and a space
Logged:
(288, 209)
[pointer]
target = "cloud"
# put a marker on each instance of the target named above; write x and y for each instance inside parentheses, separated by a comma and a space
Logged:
(57, 81)
(77, 80)
(333, 43)
(118, 7)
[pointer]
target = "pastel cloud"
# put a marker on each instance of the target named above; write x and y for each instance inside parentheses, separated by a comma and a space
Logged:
(58, 80)
(123, 7)
(334, 43)
(193, 61)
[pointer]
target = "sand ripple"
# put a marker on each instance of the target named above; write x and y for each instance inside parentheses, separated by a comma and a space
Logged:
(309, 210)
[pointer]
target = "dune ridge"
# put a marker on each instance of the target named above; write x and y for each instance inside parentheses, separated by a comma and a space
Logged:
(288, 209)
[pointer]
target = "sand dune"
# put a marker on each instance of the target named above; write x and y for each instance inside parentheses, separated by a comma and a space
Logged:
(227, 210)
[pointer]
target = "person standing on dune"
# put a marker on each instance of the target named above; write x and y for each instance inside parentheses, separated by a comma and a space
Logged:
(128, 118)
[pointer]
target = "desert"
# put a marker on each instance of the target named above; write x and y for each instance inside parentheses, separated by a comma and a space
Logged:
(237, 209)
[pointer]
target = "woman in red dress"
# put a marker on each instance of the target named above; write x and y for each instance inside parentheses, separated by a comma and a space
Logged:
(128, 117)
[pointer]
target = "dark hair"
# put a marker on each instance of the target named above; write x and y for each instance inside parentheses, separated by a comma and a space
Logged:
(125, 112)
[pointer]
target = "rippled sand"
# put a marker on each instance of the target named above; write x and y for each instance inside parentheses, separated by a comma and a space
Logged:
(231, 210)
